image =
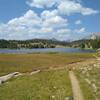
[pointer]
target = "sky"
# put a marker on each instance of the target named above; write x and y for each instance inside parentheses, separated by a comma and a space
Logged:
(48, 19)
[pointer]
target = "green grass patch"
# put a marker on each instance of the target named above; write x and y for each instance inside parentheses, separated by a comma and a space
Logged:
(51, 85)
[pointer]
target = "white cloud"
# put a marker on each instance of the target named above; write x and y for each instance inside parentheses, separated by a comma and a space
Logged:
(41, 3)
(48, 24)
(62, 34)
(63, 31)
(48, 14)
(68, 7)
(52, 19)
(20, 27)
(88, 11)
(46, 30)
(30, 25)
(65, 7)
(29, 19)
(81, 30)
(78, 22)
(55, 21)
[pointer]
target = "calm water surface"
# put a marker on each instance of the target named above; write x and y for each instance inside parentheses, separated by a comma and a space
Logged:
(64, 50)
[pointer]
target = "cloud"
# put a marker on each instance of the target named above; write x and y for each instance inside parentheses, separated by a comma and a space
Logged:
(29, 19)
(81, 30)
(55, 22)
(52, 19)
(48, 24)
(41, 3)
(31, 25)
(65, 7)
(68, 7)
(78, 22)
(20, 27)
(71, 35)
(46, 30)
(63, 31)
(48, 14)
(88, 11)
(62, 34)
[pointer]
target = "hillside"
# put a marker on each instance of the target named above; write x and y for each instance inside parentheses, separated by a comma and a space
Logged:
(34, 43)
(91, 42)
(86, 43)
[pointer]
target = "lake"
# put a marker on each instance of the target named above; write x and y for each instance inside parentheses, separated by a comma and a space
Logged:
(61, 50)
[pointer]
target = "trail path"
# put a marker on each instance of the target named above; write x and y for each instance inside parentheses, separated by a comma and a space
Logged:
(77, 93)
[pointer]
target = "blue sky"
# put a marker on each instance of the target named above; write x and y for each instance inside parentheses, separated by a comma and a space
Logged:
(60, 19)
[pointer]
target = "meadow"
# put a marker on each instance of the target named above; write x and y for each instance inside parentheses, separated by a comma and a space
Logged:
(49, 85)
(39, 61)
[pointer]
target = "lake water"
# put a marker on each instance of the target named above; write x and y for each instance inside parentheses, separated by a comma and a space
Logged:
(64, 50)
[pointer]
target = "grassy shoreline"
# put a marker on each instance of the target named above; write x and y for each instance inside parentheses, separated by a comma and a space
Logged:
(30, 62)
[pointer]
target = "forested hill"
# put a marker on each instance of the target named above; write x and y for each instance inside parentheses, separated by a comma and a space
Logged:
(86, 43)
(45, 43)
(34, 43)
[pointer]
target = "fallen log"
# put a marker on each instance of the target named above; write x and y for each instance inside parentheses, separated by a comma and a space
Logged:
(7, 77)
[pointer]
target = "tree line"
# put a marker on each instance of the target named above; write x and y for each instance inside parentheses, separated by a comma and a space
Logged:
(89, 43)
(35, 43)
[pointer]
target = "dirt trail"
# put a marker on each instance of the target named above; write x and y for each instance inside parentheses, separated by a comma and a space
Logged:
(77, 93)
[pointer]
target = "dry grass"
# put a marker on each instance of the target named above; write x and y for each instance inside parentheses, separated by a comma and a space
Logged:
(29, 62)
